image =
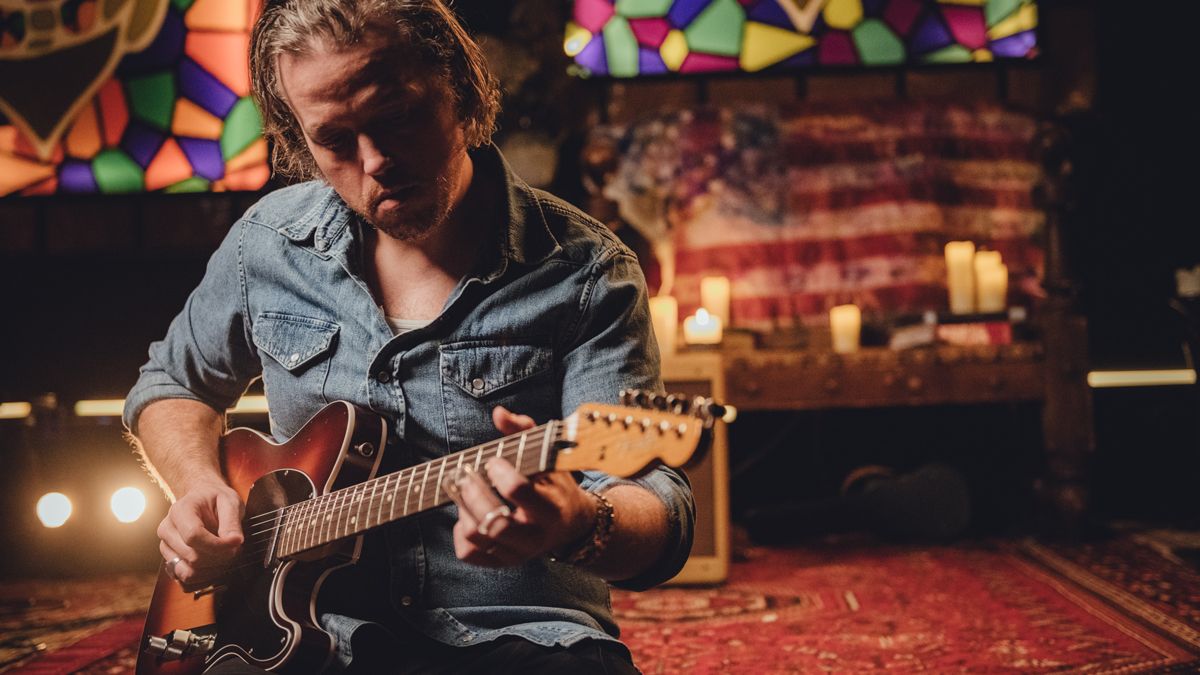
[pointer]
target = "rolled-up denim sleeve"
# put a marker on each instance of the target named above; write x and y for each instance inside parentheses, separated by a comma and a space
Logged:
(207, 354)
(615, 349)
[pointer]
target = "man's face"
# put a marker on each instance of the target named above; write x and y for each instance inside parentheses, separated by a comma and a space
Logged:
(385, 137)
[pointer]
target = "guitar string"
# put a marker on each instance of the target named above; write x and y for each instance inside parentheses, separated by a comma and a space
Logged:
(358, 491)
(253, 556)
(483, 448)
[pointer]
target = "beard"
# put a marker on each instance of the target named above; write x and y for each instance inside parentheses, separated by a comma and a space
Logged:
(418, 214)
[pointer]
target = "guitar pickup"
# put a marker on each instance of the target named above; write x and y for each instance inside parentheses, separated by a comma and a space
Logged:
(179, 644)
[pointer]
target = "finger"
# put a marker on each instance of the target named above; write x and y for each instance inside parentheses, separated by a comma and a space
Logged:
(169, 536)
(189, 522)
(486, 553)
(229, 518)
(180, 571)
(509, 422)
(516, 488)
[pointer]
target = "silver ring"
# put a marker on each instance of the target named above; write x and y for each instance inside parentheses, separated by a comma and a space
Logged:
(485, 525)
(170, 565)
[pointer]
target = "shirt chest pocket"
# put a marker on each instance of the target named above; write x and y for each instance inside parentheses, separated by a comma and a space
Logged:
(296, 359)
(478, 375)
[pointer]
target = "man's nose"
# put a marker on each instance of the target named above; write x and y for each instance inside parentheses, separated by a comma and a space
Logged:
(374, 160)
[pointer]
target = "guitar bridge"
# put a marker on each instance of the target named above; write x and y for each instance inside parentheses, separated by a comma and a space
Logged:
(179, 644)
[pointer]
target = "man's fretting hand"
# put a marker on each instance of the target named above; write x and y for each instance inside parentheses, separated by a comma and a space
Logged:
(544, 513)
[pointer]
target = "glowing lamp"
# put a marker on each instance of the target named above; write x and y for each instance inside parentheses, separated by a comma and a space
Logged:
(128, 504)
(53, 509)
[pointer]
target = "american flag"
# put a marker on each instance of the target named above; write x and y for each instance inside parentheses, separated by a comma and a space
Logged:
(816, 205)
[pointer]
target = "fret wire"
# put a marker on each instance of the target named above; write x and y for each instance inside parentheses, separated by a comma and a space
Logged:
(357, 517)
(441, 475)
(391, 497)
(521, 451)
(546, 445)
(302, 527)
(421, 496)
(407, 490)
(285, 535)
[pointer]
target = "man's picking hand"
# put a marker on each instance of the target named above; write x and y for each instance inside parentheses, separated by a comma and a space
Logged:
(201, 533)
(543, 513)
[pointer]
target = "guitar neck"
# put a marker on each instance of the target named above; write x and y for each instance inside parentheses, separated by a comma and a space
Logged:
(356, 509)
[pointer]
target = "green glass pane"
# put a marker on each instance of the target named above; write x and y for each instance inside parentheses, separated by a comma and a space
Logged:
(620, 47)
(182, 5)
(193, 184)
(718, 29)
(152, 98)
(243, 126)
(996, 11)
(951, 54)
(877, 44)
(116, 172)
(643, 8)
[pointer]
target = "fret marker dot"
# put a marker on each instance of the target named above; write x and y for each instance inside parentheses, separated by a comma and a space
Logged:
(353, 518)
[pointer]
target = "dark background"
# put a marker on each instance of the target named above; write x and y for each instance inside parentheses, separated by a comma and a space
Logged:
(88, 282)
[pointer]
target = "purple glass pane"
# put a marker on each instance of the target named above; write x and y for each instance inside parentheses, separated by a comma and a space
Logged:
(769, 12)
(198, 85)
(683, 12)
(141, 142)
(930, 35)
(163, 52)
(1015, 46)
(650, 62)
(76, 176)
(804, 59)
(205, 157)
(593, 57)
(873, 8)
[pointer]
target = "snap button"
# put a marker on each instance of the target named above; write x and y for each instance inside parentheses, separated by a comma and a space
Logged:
(406, 600)
(293, 358)
(477, 384)
(383, 376)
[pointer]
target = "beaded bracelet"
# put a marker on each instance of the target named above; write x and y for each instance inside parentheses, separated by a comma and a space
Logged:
(589, 550)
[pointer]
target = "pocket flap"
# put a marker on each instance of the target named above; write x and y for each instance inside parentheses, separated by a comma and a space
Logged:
(293, 340)
(483, 367)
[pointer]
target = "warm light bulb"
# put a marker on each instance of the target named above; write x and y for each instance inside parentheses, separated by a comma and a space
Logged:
(128, 504)
(53, 509)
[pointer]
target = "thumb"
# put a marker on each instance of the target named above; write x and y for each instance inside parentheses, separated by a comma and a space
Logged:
(229, 517)
(509, 422)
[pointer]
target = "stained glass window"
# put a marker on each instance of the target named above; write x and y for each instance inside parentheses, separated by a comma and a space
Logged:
(632, 38)
(114, 96)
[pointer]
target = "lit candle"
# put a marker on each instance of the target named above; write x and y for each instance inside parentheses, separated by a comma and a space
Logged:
(845, 325)
(714, 297)
(993, 288)
(702, 328)
(960, 276)
(664, 314)
(986, 259)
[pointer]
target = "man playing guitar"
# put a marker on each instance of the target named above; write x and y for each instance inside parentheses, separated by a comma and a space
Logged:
(414, 276)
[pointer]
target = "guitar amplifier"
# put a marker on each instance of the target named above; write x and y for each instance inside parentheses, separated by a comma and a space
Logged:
(701, 374)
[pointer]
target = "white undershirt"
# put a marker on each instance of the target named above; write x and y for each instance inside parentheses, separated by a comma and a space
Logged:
(399, 326)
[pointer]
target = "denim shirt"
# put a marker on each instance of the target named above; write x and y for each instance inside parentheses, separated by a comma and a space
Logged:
(555, 315)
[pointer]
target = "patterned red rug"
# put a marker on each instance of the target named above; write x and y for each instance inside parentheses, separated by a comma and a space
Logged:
(1024, 608)
(1116, 607)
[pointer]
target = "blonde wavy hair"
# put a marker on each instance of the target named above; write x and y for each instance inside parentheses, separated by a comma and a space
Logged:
(426, 29)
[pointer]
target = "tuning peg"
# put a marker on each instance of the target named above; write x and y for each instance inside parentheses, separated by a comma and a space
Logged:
(659, 401)
(643, 399)
(628, 396)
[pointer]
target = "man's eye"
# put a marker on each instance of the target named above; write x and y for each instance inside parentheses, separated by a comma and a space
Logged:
(335, 143)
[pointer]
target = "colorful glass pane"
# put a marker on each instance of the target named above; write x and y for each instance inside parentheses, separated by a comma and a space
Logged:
(697, 36)
(131, 96)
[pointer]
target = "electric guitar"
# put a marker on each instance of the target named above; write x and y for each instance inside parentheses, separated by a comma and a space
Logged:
(309, 500)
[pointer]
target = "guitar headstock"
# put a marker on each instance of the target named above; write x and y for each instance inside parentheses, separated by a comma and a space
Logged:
(623, 440)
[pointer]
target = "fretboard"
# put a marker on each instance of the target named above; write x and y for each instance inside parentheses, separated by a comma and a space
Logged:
(388, 498)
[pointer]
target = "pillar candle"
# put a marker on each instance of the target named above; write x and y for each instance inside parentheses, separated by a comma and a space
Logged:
(664, 314)
(960, 276)
(993, 288)
(702, 328)
(714, 297)
(845, 324)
